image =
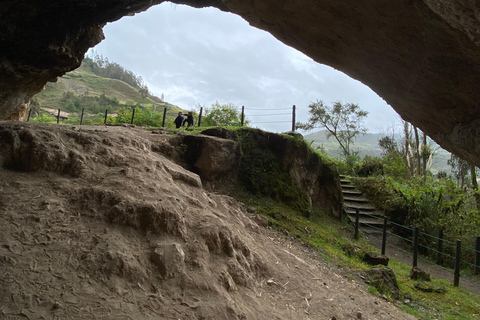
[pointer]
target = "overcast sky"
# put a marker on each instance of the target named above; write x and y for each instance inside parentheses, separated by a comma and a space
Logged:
(200, 56)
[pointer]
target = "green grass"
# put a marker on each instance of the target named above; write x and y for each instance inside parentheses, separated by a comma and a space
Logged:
(83, 81)
(333, 240)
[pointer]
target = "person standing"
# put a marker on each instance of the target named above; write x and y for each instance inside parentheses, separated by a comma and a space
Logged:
(179, 120)
(189, 119)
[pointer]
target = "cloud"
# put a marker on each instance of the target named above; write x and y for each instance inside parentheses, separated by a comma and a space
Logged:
(200, 56)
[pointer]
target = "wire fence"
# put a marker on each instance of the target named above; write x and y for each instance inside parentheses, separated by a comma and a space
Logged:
(275, 115)
(452, 256)
(267, 116)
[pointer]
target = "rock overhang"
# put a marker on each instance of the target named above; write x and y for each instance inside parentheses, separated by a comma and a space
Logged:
(422, 57)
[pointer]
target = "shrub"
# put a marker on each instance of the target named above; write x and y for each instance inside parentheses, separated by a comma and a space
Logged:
(370, 166)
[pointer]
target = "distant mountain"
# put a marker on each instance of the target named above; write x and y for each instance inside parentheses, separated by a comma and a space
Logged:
(368, 145)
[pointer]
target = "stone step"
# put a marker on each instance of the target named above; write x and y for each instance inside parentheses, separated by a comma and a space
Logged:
(374, 213)
(360, 206)
(352, 193)
(355, 199)
(367, 221)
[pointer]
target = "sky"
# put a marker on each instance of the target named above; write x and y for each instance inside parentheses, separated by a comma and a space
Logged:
(196, 57)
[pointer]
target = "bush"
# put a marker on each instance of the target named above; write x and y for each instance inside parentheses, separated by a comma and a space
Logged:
(370, 166)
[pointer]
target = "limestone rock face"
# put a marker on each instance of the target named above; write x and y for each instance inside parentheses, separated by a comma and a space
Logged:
(422, 57)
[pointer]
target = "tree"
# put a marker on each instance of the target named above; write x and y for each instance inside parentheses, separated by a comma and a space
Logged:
(460, 169)
(342, 121)
(223, 115)
(388, 145)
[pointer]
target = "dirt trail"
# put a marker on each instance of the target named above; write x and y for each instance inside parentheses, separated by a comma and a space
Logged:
(403, 256)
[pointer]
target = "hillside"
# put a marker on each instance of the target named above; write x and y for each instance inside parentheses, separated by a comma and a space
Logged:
(101, 222)
(368, 145)
(82, 82)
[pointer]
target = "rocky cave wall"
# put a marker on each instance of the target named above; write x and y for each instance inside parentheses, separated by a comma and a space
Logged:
(422, 57)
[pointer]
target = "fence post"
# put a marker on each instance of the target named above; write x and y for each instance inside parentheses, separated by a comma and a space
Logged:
(106, 113)
(415, 246)
(200, 116)
(243, 115)
(456, 278)
(29, 113)
(477, 255)
(357, 222)
(384, 238)
(81, 117)
(293, 118)
(340, 211)
(133, 116)
(164, 115)
(58, 116)
(440, 247)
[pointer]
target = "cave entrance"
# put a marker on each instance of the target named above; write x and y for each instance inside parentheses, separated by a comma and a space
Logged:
(199, 56)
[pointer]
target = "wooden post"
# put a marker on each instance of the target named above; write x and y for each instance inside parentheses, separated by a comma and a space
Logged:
(440, 247)
(477, 255)
(293, 118)
(164, 115)
(133, 115)
(106, 113)
(243, 115)
(357, 222)
(456, 277)
(200, 116)
(81, 117)
(58, 116)
(415, 246)
(384, 238)
(29, 113)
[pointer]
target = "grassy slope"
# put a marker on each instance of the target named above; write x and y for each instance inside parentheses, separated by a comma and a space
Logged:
(83, 81)
(334, 239)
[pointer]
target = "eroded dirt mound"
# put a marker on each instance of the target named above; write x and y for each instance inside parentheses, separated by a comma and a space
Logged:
(94, 224)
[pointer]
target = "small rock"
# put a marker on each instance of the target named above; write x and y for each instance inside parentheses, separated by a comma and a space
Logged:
(359, 315)
(374, 259)
(418, 274)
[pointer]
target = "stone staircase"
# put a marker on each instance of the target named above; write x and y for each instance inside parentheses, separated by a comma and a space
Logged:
(353, 200)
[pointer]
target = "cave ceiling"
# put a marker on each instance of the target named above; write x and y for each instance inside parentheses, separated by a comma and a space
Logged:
(421, 57)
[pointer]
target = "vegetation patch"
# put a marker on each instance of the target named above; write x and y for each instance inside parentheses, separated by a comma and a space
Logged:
(264, 171)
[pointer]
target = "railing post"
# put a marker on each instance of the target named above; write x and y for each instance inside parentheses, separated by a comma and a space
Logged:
(415, 246)
(384, 238)
(58, 116)
(200, 116)
(164, 115)
(477, 255)
(133, 116)
(440, 247)
(243, 115)
(456, 278)
(29, 113)
(293, 118)
(106, 113)
(357, 222)
(81, 117)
